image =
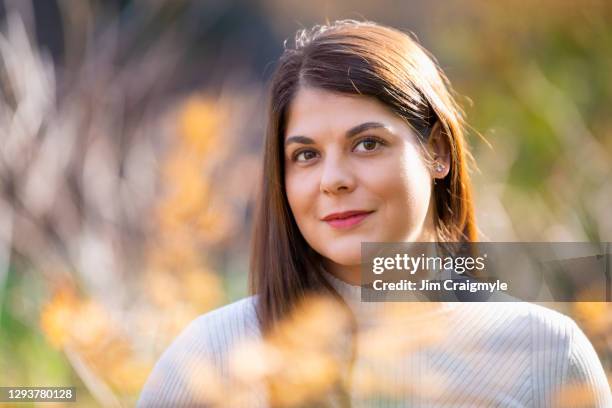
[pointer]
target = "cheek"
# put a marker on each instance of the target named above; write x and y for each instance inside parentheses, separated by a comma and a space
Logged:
(299, 196)
(404, 187)
(415, 186)
(416, 183)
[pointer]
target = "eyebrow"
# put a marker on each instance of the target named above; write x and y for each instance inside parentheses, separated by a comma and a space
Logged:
(352, 132)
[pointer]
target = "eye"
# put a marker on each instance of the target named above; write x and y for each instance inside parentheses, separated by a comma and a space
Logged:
(303, 156)
(369, 144)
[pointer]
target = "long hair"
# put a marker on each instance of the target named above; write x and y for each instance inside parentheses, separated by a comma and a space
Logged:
(361, 58)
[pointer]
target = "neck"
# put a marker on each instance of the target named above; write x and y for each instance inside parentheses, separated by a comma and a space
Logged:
(350, 274)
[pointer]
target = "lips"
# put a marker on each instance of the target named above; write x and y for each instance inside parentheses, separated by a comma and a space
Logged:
(346, 219)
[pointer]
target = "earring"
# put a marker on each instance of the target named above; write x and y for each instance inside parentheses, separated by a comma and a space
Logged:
(438, 167)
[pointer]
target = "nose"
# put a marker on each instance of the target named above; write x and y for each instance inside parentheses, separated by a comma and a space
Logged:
(337, 177)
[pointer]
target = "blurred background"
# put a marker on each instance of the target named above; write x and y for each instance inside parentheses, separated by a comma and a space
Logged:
(130, 142)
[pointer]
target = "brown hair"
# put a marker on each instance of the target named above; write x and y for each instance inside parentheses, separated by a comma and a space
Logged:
(354, 58)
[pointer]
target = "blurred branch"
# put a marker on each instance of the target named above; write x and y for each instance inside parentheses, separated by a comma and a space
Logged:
(96, 386)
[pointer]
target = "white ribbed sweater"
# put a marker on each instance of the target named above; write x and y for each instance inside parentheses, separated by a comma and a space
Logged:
(496, 354)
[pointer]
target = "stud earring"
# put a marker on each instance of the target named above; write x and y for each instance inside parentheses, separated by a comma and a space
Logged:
(438, 167)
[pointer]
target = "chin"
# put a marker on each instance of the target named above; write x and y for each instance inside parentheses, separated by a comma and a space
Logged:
(345, 255)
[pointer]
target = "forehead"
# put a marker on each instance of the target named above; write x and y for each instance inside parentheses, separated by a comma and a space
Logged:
(314, 111)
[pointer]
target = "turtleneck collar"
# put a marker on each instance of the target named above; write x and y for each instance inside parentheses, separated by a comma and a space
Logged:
(367, 313)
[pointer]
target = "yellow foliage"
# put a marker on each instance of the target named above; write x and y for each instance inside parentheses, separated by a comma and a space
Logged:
(202, 288)
(576, 395)
(196, 286)
(85, 327)
(596, 316)
(302, 360)
(57, 315)
(199, 124)
(130, 375)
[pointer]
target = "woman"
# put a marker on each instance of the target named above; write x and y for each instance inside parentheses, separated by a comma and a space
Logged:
(365, 144)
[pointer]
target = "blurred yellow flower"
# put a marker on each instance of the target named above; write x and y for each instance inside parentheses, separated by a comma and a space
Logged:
(57, 316)
(163, 288)
(85, 327)
(187, 197)
(302, 360)
(91, 325)
(130, 374)
(202, 288)
(215, 224)
(595, 318)
(199, 123)
(176, 251)
(576, 395)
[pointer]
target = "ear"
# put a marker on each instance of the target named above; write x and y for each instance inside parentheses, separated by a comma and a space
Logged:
(439, 150)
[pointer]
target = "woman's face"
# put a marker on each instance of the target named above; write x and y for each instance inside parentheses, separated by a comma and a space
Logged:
(354, 173)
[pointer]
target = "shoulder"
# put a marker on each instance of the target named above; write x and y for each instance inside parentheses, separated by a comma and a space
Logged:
(584, 373)
(519, 317)
(559, 354)
(528, 329)
(199, 351)
(575, 361)
(215, 332)
(224, 325)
